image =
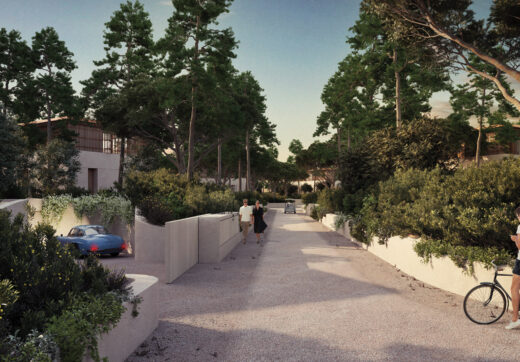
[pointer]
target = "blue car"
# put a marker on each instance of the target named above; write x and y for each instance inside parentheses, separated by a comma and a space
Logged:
(93, 239)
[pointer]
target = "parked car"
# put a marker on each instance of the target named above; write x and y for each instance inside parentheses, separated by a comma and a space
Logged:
(93, 239)
(290, 206)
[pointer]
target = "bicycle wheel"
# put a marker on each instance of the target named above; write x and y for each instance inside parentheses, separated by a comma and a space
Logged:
(484, 304)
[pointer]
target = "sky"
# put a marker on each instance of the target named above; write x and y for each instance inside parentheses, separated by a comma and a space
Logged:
(292, 47)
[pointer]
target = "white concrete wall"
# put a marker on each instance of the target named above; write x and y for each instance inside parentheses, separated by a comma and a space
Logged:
(329, 221)
(149, 241)
(107, 165)
(218, 235)
(182, 246)
(121, 341)
(308, 209)
(439, 272)
(15, 207)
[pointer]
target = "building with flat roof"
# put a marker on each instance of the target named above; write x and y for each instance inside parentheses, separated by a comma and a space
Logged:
(99, 152)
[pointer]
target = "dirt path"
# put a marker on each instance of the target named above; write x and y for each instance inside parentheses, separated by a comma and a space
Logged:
(311, 295)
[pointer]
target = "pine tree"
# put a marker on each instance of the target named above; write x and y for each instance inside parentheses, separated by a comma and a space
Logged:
(192, 45)
(129, 54)
(52, 84)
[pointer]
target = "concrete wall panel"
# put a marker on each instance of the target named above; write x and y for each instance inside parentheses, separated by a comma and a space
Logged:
(149, 241)
(182, 246)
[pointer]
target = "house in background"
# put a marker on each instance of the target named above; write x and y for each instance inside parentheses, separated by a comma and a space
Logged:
(98, 153)
(494, 151)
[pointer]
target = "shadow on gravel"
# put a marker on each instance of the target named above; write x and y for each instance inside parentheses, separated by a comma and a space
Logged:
(411, 352)
(255, 277)
(182, 342)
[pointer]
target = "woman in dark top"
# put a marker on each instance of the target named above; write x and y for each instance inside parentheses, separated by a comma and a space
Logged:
(260, 225)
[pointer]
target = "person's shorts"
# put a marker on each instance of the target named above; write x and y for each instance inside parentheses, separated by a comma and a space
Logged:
(516, 269)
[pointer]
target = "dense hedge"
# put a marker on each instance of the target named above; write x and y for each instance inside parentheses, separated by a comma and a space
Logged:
(41, 286)
(161, 195)
(468, 214)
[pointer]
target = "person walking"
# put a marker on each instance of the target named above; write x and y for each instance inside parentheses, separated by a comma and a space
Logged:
(245, 216)
(259, 224)
(515, 283)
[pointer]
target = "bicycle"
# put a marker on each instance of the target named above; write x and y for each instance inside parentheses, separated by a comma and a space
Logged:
(486, 303)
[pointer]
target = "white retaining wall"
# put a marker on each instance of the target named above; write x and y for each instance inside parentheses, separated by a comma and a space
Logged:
(439, 272)
(181, 246)
(130, 332)
(218, 235)
(150, 241)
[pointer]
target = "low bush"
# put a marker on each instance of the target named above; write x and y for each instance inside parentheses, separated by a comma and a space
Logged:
(162, 196)
(471, 209)
(306, 188)
(310, 198)
(330, 200)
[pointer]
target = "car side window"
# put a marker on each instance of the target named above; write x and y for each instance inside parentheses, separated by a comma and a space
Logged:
(73, 232)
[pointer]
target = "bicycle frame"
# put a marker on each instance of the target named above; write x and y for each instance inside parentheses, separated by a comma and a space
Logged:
(496, 284)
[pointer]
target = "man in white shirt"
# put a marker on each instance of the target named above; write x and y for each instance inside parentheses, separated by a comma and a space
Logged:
(245, 216)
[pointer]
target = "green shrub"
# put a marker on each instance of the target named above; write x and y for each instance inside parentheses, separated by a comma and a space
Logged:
(310, 198)
(472, 209)
(314, 213)
(330, 200)
(162, 196)
(76, 329)
(306, 188)
(44, 281)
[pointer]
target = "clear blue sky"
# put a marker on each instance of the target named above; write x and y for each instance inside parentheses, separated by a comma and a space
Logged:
(291, 46)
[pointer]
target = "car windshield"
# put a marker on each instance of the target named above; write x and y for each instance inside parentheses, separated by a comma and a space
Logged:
(75, 232)
(94, 230)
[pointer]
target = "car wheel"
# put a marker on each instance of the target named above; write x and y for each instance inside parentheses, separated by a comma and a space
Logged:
(114, 254)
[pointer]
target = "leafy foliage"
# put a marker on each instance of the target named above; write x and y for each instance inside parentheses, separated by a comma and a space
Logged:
(47, 281)
(56, 167)
(471, 210)
(108, 207)
(162, 196)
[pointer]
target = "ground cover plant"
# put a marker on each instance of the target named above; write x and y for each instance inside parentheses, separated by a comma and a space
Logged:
(108, 207)
(53, 306)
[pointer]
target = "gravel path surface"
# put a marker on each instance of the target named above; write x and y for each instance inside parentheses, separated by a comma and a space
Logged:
(311, 295)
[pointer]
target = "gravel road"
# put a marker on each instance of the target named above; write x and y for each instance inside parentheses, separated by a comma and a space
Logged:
(309, 294)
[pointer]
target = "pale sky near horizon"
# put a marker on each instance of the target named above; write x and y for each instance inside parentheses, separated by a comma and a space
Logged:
(292, 47)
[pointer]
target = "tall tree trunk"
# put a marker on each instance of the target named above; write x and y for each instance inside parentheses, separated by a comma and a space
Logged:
(239, 173)
(480, 123)
(4, 111)
(248, 164)
(397, 92)
(339, 141)
(49, 124)
(219, 161)
(121, 162)
(477, 155)
(191, 138)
